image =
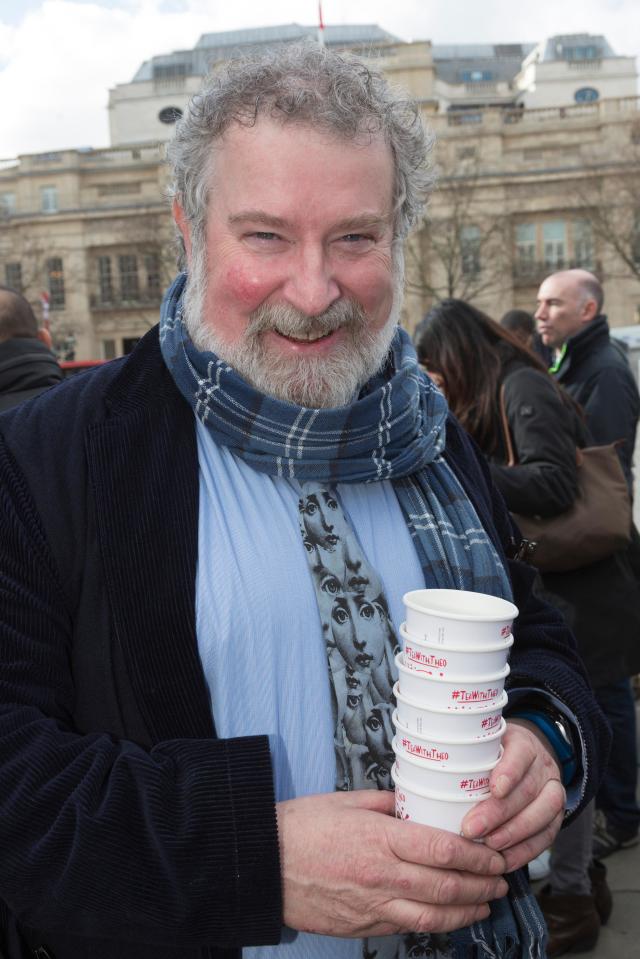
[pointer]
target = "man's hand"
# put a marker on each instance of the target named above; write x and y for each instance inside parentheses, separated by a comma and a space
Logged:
(527, 802)
(350, 869)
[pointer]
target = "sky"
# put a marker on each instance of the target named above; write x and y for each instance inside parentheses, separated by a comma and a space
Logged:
(59, 58)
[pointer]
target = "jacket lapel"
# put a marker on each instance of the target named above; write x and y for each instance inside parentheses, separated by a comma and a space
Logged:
(144, 471)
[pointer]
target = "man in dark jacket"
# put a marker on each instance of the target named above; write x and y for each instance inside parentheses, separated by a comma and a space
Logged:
(589, 366)
(27, 365)
(595, 373)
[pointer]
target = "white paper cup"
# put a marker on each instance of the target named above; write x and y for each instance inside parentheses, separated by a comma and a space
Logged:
(455, 692)
(446, 723)
(429, 809)
(471, 781)
(443, 661)
(448, 753)
(457, 617)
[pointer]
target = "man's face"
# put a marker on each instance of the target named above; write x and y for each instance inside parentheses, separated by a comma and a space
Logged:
(561, 311)
(299, 293)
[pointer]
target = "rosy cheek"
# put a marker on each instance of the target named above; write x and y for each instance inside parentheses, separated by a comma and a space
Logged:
(247, 286)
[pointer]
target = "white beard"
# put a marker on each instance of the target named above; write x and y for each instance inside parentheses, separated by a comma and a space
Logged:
(312, 382)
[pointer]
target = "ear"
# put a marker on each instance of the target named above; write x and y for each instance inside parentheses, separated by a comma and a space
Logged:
(589, 311)
(45, 337)
(182, 223)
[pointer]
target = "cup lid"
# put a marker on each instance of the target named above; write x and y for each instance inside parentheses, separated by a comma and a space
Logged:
(481, 607)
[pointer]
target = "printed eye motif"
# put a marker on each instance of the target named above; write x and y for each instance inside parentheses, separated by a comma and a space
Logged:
(330, 584)
(340, 614)
(366, 611)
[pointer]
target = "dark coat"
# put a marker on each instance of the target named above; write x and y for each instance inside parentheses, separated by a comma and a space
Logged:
(27, 368)
(127, 829)
(597, 375)
(600, 602)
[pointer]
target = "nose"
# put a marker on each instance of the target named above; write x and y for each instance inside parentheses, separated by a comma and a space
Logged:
(540, 312)
(311, 286)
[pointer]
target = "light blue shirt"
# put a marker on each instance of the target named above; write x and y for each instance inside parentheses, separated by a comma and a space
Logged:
(258, 627)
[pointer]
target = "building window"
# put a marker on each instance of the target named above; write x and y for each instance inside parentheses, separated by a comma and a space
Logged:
(476, 76)
(105, 279)
(108, 349)
(129, 343)
(554, 244)
(586, 95)
(55, 277)
(49, 199)
(7, 204)
(635, 239)
(583, 245)
(525, 248)
(470, 249)
(169, 115)
(129, 286)
(13, 276)
(152, 269)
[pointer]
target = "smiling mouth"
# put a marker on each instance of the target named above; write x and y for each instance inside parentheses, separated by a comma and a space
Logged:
(305, 337)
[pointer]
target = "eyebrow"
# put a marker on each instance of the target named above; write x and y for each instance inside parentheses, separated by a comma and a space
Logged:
(365, 221)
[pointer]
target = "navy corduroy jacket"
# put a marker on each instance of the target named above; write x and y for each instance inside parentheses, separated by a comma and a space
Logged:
(127, 828)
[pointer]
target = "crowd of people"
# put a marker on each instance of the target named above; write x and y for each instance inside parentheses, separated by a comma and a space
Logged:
(204, 548)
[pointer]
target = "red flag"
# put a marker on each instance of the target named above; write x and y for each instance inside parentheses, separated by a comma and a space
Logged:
(320, 21)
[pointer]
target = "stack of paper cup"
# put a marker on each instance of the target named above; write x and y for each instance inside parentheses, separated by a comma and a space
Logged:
(450, 696)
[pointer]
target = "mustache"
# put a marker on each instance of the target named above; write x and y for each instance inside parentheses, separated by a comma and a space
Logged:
(289, 321)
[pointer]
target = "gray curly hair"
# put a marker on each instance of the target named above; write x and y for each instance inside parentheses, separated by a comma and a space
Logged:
(307, 84)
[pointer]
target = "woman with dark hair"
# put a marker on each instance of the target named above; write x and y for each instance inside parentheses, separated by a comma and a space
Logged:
(478, 364)
(472, 358)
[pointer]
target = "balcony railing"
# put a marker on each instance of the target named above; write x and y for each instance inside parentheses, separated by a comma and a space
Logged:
(532, 274)
(144, 300)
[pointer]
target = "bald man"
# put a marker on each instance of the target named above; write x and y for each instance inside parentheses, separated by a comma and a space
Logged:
(27, 365)
(570, 320)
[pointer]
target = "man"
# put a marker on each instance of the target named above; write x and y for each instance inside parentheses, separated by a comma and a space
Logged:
(596, 374)
(27, 365)
(570, 321)
(201, 603)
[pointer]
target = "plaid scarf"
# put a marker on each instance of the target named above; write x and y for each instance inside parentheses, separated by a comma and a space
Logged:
(395, 430)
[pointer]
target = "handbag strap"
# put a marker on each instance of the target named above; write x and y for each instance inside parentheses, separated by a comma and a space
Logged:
(506, 432)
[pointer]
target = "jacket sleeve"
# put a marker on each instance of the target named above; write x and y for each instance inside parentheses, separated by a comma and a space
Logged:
(101, 837)
(544, 481)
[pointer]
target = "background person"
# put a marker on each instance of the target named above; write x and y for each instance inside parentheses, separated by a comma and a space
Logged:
(27, 365)
(475, 359)
(523, 325)
(200, 605)
(597, 375)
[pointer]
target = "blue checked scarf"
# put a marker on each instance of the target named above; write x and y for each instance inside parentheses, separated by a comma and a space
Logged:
(394, 431)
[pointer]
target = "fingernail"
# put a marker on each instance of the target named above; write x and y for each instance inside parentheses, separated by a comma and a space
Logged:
(475, 828)
(496, 864)
(502, 786)
(499, 840)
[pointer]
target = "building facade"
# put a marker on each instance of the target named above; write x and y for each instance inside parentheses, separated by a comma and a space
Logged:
(535, 174)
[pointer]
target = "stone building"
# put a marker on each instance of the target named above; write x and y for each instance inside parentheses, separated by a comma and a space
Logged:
(536, 151)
